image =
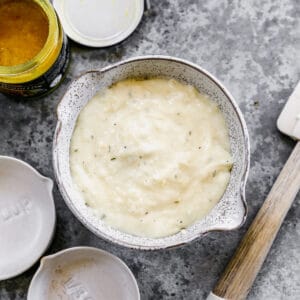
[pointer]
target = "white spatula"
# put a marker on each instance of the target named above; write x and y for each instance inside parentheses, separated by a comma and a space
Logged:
(241, 271)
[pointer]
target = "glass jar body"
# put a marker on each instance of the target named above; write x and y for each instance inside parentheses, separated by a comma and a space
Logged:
(44, 71)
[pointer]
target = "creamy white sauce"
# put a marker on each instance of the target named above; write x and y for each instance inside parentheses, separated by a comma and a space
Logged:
(150, 157)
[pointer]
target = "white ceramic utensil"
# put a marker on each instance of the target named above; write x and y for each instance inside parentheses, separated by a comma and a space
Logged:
(27, 216)
(83, 273)
(241, 271)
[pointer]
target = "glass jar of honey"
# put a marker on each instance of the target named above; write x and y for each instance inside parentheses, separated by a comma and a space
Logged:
(34, 53)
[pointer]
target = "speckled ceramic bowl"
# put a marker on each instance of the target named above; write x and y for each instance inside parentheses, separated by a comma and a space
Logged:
(231, 210)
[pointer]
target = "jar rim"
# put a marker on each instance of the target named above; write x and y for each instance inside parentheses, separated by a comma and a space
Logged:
(19, 73)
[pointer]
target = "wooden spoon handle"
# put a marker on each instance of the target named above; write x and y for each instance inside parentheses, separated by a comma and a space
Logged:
(241, 271)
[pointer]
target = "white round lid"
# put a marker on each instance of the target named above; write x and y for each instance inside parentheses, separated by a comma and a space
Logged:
(27, 216)
(83, 273)
(99, 23)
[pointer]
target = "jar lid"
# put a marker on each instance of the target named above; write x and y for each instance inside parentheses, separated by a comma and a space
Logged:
(99, 23)
(27, 216)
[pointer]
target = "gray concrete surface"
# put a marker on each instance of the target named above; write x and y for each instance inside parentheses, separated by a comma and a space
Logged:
(253, 47)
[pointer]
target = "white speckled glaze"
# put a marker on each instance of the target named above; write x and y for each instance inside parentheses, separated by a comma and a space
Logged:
(231, 210)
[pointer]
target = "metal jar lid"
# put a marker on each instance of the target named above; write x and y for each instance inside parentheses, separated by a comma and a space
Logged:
(99, 23)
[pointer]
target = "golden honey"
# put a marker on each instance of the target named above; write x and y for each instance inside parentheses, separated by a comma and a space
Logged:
(23, 31)
(33, 48)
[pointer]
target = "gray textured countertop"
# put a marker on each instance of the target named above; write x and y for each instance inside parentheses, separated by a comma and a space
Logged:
(253, 47)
